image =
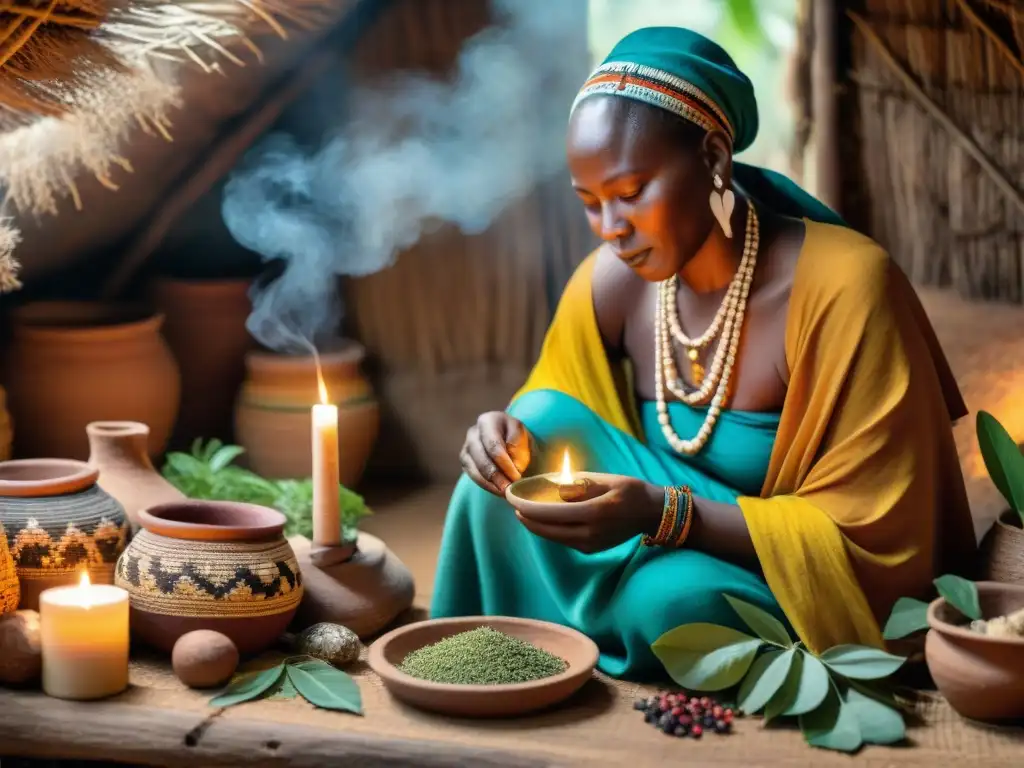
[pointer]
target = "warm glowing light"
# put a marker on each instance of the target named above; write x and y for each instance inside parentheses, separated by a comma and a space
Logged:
(320, 384)
(566, 477)
(84, 584)
(84, 581)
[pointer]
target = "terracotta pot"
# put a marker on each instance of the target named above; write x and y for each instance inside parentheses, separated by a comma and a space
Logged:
(1002, 550)
(76, 362)
(214, 565)
(981, 677)
(118, 450)
(6, 433)
(205, 328)
(10, 588)
(59, 522)
(272, 418)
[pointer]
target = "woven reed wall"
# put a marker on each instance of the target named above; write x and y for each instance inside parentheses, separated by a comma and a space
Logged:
(945, 216)
(454, 326)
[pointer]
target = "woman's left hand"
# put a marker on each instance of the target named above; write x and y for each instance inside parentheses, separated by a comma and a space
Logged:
(614, 509)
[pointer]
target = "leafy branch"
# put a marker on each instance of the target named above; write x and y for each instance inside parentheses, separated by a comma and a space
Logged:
(319, 683)
(835, 696)
(208, 472)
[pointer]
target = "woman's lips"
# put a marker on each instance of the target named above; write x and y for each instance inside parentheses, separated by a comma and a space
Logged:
(637, 259)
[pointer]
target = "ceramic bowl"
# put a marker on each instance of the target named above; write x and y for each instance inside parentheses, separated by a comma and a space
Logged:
(533, 494)
(578, 650)
(981, 677)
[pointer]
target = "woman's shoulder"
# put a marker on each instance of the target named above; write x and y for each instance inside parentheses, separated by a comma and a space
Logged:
(839, 264)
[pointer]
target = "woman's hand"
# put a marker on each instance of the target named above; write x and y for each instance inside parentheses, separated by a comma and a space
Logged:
(615, 509)
(496, 451)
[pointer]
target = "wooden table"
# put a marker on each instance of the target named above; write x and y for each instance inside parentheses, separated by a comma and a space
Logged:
(159, 722)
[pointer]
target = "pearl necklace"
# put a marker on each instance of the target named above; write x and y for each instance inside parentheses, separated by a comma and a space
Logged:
(718, 378)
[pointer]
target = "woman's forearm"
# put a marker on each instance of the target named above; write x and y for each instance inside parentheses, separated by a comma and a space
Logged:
(720, 530)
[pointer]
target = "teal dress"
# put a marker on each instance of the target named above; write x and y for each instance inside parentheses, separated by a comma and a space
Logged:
(625, 597)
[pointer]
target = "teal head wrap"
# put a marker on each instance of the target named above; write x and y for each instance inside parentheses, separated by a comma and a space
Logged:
(686, 73)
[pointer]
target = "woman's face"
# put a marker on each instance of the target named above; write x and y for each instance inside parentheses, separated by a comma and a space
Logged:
(645, 188)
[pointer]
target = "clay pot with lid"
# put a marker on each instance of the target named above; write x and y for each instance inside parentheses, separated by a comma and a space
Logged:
(981, 677)
(71, 363)
(217, 565)
(118, 449)
(273, 412)
(59, 522)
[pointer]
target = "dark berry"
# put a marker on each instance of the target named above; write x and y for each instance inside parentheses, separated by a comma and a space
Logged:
(717, 711)
(681, 731)
(723, 727)
(677, 711)
(650, 716)
(705, 702)
(640, 704)
(727, 715)
(696, 731)
(694, 702)
(708, 722)
(685, 720)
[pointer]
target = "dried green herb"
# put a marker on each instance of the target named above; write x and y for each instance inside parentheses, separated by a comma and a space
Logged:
(482, 656)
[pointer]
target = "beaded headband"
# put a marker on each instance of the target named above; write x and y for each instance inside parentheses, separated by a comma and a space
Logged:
(657, 88)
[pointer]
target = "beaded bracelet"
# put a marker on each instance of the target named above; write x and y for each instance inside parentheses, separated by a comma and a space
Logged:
(676, 518)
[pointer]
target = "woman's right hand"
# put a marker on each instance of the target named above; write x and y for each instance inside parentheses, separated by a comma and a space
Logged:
(496, 452)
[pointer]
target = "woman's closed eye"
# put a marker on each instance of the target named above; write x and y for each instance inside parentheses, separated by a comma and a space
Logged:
(632, 194)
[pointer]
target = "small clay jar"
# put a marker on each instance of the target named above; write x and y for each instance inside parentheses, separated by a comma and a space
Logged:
(217, 565)
(1002, 550)
(118, 449)
(981, 677)
(59, 522)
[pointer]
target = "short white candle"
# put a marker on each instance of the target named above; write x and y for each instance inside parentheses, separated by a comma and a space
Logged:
(326, 502)
(84, 638)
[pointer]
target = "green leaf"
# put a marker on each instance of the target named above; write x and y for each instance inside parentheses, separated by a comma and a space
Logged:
(788, 691)
(908, 616)
(765, 626)
(961, 594)
(248, 687)
(225, 456)
(185, 464)
(878, 723)
(706, 657)
(814, 685)
(325, 686)
(1003, 459)
(832, 725)
(861, 662)
(766, 676)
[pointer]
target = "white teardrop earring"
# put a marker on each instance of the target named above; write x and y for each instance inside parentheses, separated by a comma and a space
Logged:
(723, 202)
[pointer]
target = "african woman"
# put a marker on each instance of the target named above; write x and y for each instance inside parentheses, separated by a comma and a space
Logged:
(759, 382)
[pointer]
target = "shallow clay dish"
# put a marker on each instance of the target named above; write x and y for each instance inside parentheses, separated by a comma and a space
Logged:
(387, 653)
(532, 495)
(981, 677)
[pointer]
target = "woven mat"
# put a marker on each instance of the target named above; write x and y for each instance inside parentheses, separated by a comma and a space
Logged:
(599, 727)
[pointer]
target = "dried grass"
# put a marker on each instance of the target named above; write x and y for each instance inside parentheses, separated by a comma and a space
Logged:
(936, 203)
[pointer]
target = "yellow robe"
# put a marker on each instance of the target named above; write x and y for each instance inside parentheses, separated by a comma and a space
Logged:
(864, 500)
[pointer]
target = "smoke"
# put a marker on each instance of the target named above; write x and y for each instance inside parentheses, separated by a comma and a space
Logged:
(410, 155)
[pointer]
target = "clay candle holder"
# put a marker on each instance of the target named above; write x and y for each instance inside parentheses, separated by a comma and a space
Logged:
(554, 487)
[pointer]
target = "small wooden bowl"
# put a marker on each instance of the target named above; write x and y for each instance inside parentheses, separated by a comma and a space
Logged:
(578, 650)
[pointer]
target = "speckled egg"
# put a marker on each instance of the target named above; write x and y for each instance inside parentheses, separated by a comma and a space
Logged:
(332, 643)
(20, 653)
(204, 659)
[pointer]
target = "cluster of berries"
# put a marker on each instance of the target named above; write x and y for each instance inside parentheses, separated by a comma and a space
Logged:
(678, 714)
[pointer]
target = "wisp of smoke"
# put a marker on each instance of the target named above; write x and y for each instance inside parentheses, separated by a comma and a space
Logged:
(411, 154)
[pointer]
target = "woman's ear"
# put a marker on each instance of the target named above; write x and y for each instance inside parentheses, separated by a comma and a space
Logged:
(717, 150)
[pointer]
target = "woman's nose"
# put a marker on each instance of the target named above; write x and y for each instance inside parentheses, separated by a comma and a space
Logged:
(613, 226)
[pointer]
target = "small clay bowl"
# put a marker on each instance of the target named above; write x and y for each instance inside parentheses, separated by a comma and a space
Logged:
(981, 677)
(532, 495)
(578, 650)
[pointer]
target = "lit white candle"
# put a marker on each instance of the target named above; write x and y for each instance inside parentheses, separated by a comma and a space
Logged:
(84, 639)
(326, 502)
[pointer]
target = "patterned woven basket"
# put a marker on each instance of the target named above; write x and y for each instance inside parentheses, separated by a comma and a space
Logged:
(1002, 550)
(59, 523)
(210, 565)
(10, 591)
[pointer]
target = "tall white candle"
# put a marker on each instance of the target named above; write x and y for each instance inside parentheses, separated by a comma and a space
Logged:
(326, 502)
(84, 639)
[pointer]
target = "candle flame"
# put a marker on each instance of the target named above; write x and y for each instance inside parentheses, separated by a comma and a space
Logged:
(321, 386)
(84, 581)
(566, 477)
(83, 584)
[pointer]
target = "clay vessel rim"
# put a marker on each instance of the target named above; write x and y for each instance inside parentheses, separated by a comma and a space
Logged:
(380, 664)
(84, 320)
(953, 630)
(350, 352)
(115, 428)
(1011, 519)
(57, 477)
(253, 521)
